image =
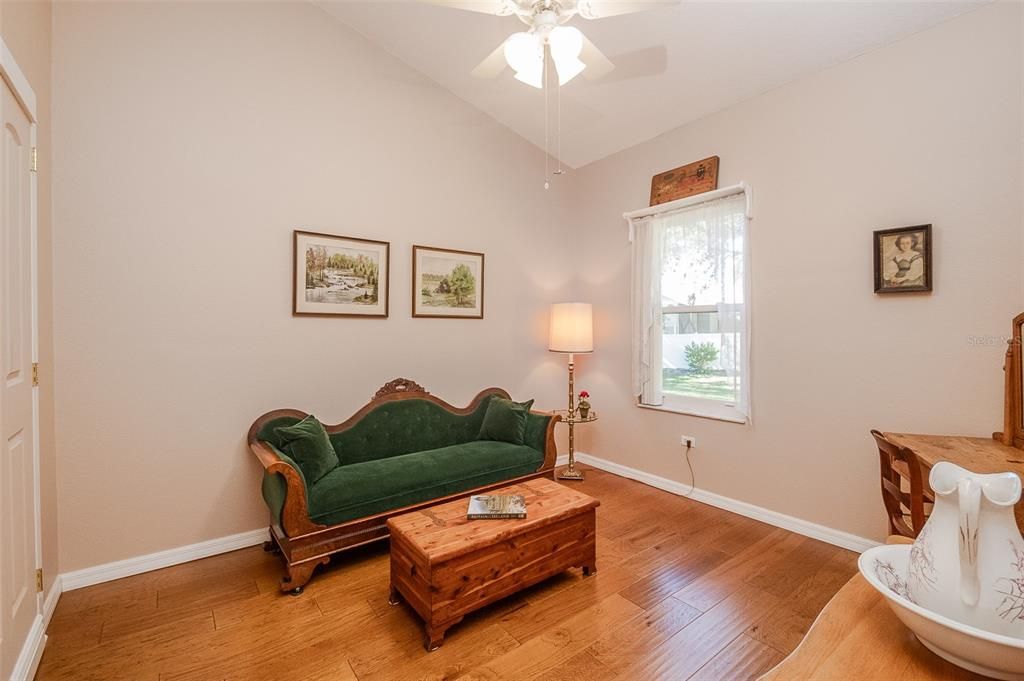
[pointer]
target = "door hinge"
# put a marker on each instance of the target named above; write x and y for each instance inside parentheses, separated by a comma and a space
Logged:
(35, 373)
(35, 159)
(39, 579)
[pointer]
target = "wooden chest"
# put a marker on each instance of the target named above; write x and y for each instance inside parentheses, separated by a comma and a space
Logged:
(446, 566)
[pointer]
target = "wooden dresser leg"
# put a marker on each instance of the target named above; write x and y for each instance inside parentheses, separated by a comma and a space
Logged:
(589, 569)
(298, 575)
(394, 598)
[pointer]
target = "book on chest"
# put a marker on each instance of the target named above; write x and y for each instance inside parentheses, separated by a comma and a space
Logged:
(496, 506)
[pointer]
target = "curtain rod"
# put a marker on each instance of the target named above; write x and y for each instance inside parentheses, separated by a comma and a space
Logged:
(696, 199)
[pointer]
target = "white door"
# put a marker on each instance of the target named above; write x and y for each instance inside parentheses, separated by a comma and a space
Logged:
(18, 601)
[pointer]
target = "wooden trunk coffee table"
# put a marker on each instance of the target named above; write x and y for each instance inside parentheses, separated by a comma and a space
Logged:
(446, 566)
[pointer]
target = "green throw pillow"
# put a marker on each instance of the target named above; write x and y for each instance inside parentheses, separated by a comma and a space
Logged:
(505, 421)
(307, 444)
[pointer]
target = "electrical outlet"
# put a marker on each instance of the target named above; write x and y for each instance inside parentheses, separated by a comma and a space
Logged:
(688, 441)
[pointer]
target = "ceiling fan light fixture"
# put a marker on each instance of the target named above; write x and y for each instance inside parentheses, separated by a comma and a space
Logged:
(524, 53)
(568, 69)
(566, 44)
(532, 78)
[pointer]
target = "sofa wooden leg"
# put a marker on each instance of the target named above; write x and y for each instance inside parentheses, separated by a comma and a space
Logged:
(299, 575)
(270, 546)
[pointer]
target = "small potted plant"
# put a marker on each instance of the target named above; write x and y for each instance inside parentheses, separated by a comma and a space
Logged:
(583, 405)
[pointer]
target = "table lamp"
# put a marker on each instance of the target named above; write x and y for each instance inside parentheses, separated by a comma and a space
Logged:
(572, 332)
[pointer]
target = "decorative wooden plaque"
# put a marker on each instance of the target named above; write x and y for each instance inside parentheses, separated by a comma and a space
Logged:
(693, 178)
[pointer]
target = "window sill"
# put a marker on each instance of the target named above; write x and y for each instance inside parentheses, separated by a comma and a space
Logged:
(702, 409)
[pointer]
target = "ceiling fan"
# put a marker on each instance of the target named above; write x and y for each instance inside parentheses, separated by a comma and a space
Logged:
(570, 51)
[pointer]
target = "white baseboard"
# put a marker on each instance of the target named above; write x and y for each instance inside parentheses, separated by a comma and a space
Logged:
(161, 559)
(787, 522)
(184, 554)
(50, 604)
(32, 651)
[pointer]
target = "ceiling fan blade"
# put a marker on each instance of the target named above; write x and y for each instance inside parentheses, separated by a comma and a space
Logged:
(501, 8)
(649, 61)
(492, 65)
(599, 9)
(598, 65)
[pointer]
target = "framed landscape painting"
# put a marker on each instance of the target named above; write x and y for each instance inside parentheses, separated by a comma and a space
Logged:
(339, 275)
(903, 259)
(447, 283)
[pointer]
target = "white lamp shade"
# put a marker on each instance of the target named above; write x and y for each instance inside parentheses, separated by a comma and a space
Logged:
(532, 77)
(522, 50)
(525, 54)
(568, 69)
(572, 328)
(566, 44)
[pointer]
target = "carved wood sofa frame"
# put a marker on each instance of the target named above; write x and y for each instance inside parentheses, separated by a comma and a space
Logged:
(305, 544)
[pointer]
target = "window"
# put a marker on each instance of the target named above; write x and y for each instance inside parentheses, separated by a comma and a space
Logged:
(690, 319)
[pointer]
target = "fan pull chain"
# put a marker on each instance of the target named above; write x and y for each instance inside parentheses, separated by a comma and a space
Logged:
(547, 157)
(558, 127)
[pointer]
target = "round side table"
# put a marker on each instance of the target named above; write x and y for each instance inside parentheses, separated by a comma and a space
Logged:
(571, 418)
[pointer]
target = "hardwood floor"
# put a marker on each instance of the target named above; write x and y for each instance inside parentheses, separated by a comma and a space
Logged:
(683, 591)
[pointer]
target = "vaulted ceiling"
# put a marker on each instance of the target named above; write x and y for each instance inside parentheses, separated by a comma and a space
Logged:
(673, 65)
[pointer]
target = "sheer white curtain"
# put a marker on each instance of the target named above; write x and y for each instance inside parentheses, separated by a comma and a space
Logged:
(646, 235)
(693, 257)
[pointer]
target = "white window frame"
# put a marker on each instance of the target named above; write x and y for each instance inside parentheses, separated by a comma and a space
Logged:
(701, 406)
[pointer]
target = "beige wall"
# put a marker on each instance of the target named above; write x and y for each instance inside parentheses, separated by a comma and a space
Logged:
(927, 130)
(192, 139)
(26, 29)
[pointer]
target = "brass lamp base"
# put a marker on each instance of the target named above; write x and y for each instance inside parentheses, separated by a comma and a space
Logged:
(570, 472)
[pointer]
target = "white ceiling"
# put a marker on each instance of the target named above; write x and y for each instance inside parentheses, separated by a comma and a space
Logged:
(673, 65)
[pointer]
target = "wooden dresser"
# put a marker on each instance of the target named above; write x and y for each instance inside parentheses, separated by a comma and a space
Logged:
(977, 454)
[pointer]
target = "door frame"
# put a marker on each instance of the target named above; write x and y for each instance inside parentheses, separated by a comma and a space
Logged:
(26, 96)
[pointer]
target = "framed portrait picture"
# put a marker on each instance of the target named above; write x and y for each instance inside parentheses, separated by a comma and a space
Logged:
(903, 259)
(447, 283)
(340, 275)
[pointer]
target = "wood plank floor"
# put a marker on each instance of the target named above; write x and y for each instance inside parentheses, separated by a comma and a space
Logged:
(683, 591)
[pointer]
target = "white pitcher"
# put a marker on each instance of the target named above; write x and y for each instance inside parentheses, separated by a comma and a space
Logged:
(968, 561)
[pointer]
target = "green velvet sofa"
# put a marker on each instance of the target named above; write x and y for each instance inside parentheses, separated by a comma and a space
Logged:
(404, 450)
